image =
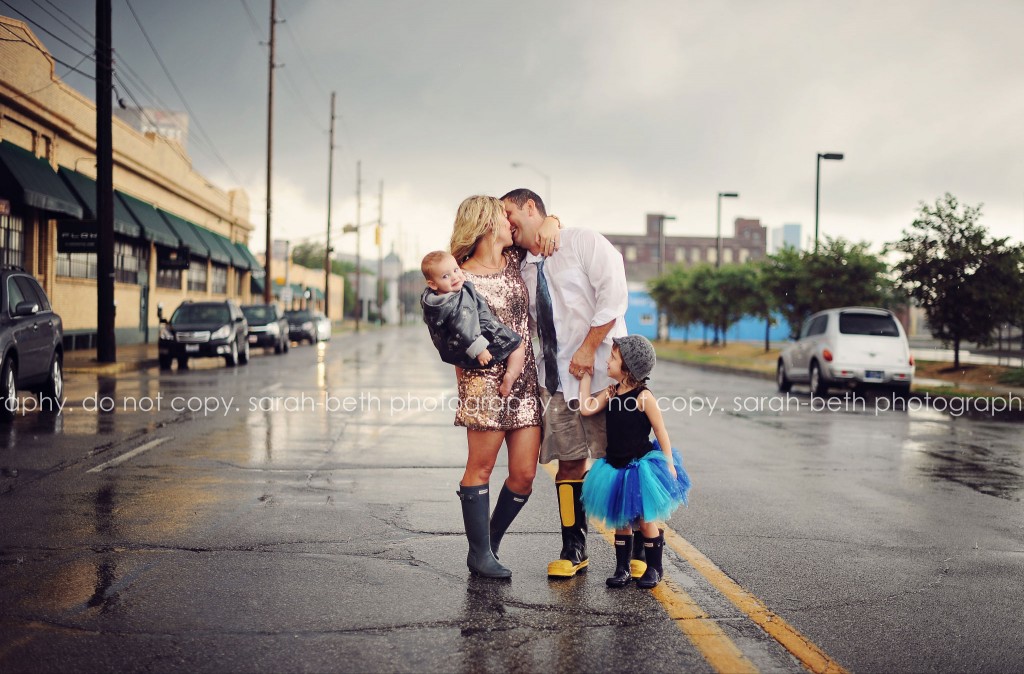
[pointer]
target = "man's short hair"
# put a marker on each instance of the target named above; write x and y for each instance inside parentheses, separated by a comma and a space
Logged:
(430, 259)
(520, 196)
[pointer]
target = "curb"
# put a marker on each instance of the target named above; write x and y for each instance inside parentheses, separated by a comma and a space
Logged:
(111, 368)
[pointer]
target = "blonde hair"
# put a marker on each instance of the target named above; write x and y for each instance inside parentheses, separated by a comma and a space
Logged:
(429, 261)
(475, 217)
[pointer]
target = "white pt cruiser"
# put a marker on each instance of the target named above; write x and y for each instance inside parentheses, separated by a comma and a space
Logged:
(845, 347)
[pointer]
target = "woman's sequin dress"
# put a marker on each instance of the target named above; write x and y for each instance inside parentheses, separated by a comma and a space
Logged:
(481, 407)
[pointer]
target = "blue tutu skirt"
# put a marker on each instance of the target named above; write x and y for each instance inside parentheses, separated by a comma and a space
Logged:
(642, 491)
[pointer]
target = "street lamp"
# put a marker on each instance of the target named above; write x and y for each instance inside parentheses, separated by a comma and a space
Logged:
(348, 229)
(836, 156)
(547, 182)
(718, 226)
(662, 316)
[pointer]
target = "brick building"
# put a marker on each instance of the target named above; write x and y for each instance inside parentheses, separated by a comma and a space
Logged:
(641, 251)
(176, 235)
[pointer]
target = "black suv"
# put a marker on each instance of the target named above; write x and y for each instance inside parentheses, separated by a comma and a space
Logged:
(31, 343)
(267, 327)
(204, 330)
(302, 326)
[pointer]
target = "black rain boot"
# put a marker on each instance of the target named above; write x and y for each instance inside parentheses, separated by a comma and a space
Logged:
(623, 551)
(475, 510)
(573, 557)
(505, 510)
(653, 547)
(638, 561)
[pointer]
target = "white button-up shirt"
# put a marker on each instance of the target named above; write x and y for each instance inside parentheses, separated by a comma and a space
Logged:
(587, 282)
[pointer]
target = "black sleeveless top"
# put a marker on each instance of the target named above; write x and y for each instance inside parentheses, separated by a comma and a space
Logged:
(628, 429)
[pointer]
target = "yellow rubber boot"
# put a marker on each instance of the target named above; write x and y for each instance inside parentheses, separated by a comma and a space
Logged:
(573, 558)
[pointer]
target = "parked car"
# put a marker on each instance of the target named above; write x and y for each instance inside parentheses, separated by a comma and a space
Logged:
(846, 347)
(268, 328)
(31, 343)
(301, 326)
(204, 330)
(323, 326)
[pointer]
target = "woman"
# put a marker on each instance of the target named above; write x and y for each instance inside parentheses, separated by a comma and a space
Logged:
(481, 243)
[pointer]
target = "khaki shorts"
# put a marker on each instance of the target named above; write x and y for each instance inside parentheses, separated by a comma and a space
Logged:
(568, 435)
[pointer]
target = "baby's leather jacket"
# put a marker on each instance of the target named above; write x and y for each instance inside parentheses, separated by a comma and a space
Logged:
(456, 320)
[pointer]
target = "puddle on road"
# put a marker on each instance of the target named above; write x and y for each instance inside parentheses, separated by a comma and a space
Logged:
(989, 464)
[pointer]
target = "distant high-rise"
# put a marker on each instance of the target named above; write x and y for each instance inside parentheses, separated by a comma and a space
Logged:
(786, 236)
(170, 124)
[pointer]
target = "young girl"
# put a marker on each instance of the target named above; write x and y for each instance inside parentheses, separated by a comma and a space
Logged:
(638, 482)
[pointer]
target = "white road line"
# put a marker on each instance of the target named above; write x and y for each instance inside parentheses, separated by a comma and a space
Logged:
(128, 455)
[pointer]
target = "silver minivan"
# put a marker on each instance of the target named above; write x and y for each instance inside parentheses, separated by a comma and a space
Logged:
(846, 347)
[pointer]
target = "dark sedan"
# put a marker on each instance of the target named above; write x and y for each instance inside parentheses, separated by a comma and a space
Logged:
(268, 328)
(204, 330)
(302, 326)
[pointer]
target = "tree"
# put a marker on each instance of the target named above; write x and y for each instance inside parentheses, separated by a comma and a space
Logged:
(966, 282)
(671, 292)
(311, 256)
(840, 274)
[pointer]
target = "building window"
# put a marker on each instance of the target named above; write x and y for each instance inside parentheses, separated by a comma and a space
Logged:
(726, 255)
(695, 255)
(240, 282)
(168, 278)
(744, 255)
(197, 275)
(76, 265)
(630, 253)
(712, 255)
(128, 259)
(680, 254)
(11, 241)
(219, 280)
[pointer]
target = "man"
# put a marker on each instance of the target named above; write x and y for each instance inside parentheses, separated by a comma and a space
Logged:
(578, 300)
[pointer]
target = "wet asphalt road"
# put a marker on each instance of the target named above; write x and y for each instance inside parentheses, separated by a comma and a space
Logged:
(270, 534)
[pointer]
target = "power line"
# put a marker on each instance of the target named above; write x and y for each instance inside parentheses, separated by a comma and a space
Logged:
(181, 95)
(89, 44)
(51, 34)
(253, 23)
(57, 7)
(303, 106)
(19, 38)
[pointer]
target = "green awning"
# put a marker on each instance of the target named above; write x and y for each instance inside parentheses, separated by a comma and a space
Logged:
(217, 252)
(34, 182)
(237, 259)
(153, 226)
(256, 285)
(84, 187)
(188, 234)
(257, 269)
(317, 293)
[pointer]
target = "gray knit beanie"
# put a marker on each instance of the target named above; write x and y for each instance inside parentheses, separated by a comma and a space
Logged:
(637, 355)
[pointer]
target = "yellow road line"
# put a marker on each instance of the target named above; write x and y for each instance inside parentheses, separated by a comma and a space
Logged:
(693, 621)
(809, 655)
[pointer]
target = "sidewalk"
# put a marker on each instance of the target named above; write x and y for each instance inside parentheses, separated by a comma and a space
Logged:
(129, 357)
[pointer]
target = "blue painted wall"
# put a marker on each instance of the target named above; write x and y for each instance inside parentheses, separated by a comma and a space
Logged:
(642, 319)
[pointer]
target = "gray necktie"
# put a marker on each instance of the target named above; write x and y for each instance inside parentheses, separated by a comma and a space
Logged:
(546, 328)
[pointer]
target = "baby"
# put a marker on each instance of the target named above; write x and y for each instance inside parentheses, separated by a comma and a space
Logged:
(461, 324)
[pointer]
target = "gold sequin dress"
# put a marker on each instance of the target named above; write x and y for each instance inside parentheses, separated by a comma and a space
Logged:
(481, 407)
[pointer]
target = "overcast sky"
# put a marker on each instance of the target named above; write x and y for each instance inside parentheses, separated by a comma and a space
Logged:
(628, 107)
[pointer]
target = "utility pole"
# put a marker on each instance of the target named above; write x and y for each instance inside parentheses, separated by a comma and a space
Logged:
(106, 340)
(359, 262)
(269, 279)
(330, 188)
(380, 255)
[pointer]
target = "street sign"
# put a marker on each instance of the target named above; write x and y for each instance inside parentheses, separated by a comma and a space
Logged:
(77, 237)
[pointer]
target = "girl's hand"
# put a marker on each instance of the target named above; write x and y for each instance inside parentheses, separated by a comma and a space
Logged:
(672, 470)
